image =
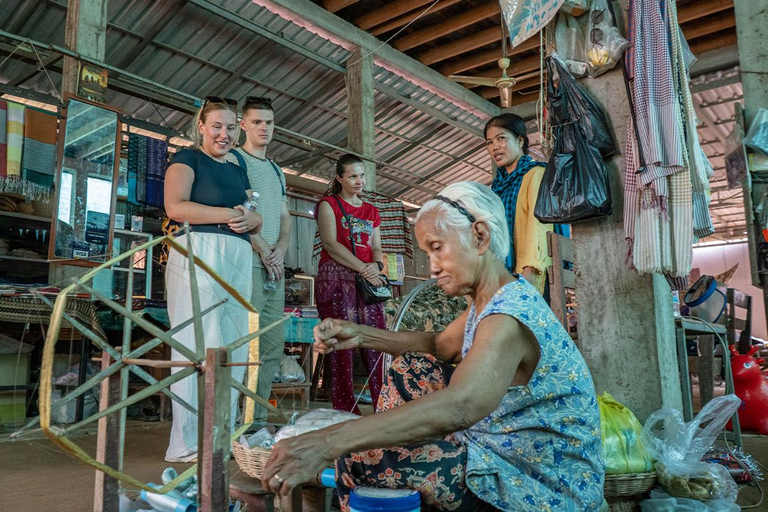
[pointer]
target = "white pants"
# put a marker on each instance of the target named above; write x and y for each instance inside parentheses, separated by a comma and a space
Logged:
(230, 257)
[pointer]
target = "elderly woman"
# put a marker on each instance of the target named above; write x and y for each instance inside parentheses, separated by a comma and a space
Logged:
(515, 425)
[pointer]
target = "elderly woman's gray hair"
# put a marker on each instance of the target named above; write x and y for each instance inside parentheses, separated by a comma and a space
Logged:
(482, 203)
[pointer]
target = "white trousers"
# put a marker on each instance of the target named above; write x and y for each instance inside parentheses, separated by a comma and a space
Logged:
(230, 257)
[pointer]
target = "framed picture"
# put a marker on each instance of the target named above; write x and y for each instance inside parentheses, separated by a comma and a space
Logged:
(300, 291)
(92, 83)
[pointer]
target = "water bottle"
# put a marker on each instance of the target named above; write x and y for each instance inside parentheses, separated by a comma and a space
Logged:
(252, 202)
(270, 285)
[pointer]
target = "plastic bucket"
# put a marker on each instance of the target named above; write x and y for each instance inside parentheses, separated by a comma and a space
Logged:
(373, 499)
(706, 299)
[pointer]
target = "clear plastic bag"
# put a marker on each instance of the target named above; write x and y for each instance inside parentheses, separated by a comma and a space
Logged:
(757, 136)
(663, 502)
(290, 371)
(623, 447)
(575, 7)
(678, 447)
(570, 44)
(604, 42)
(314, 420)
(525, 18)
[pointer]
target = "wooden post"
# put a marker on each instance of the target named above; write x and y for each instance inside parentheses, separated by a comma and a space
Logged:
(213, 443)
(361, 111)
(86, 34)
(106, 496)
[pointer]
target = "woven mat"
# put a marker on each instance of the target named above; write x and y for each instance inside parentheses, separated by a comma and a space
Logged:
(35, 311)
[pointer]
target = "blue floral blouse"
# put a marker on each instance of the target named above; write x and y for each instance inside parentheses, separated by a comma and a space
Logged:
(541, 448)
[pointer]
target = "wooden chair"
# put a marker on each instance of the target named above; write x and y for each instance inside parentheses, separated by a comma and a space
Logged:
(561, 275)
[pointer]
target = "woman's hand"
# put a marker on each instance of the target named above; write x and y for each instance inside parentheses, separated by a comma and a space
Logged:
(370, 271)
(294, 461)
(378, 280)
(332, 335)
(248, 222)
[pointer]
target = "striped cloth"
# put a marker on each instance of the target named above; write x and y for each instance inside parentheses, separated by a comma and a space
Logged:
(15, 138)
(3, 138)
(157, 163)
(133, 162)
(40, 137)
(141, 170)
(395, 228)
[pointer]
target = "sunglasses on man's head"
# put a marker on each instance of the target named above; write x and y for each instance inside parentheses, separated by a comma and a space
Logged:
(219, 99)
(250, 100)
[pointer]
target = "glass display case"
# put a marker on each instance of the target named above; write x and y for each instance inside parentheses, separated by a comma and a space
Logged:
(124, 241)
(24, 242)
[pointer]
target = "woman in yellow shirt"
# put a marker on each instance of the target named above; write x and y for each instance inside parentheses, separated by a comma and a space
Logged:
(517, 182)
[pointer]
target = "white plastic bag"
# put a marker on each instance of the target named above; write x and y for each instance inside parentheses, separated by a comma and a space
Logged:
(604, 42)
(525, 18)
(663, 502)
(575, 7)
(678, 447)
(314, 420)
(570, 44)
(757, 136)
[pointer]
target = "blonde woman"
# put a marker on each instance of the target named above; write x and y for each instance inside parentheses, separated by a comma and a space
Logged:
(205, 190)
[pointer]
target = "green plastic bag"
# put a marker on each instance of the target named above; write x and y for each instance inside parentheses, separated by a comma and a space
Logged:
(623, 448)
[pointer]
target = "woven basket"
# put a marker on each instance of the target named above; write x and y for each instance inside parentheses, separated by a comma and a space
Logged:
(42, 207)
(251, 460)
(632, 484)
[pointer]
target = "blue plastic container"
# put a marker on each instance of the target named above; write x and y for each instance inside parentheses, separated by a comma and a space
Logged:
(372, 499)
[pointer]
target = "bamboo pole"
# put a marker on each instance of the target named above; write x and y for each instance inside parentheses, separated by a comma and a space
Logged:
(141, 395)
(155, 363)
(248, 337)
(125, 373)
(256, 398)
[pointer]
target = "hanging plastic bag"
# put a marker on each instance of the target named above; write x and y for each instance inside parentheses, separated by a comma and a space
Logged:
(314, 420)
(570, 44)
(290, 371)
(525, 18)
(575, 7)
(623, 446)
(570, 105)
(663, 502)
(605, 44)
(757, 136)
(678, 448)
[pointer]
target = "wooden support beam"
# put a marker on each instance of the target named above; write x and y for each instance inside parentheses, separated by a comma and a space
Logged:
(713, 42)
(337, 5)
(389, 11)
(407, 18)
(453, 24)
(460, 46)
(709, 26)
(106, 497)
(486, 57)
(695, 10)
(84, 33)
(361, 134)
(214, 444)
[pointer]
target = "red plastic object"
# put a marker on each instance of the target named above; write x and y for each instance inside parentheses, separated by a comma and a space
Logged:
(752, 387)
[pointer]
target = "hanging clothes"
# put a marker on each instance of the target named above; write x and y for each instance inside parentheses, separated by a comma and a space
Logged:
(157, 163)
(3, 138)
(15, 138)
(40, 137)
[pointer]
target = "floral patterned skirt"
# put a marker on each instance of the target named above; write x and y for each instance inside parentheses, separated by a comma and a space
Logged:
(434, 468)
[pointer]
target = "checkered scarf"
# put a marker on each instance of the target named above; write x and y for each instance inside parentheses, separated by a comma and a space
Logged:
(507, 186)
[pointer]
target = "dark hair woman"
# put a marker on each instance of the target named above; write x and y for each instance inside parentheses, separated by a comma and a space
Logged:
(335, 290)
(206, 191)
(517, 182)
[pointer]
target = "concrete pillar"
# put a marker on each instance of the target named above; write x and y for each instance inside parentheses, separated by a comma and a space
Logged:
(626, 324)
(361, 111)
(86, 34)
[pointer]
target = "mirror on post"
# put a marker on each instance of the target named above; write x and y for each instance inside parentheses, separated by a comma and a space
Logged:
(86, 184)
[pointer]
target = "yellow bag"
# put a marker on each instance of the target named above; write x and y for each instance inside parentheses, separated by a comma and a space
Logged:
(623, 448)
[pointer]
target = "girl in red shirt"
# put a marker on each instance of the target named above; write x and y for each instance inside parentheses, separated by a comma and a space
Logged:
(335, 291)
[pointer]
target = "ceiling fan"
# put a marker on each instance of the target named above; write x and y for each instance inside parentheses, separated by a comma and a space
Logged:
(505, 83)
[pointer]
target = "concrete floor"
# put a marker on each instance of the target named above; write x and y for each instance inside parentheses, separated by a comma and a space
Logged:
(35, 476)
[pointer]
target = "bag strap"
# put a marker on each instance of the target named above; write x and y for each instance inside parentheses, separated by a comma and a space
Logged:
(351, 240)
(278, 172)
(240, 160)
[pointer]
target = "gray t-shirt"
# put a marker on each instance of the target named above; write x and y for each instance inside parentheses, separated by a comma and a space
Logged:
(264, 178)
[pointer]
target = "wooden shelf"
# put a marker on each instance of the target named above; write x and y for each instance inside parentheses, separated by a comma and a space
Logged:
(21, 258)
(25, 216)
(136, 270)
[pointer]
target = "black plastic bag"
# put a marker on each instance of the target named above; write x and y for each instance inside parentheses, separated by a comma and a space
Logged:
(575, 185)
(570, 105)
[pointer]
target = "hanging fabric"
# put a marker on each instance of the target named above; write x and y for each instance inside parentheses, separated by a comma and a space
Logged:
(157, 163)
(15, 138)
(141, 170)
(3, 138)
(133, 163)
(39, 159)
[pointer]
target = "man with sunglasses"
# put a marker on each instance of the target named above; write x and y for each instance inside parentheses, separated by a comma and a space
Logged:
(268, 296)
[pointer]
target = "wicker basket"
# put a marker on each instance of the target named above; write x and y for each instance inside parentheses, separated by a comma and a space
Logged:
(251, 460)
(42, 207)
(632, 484)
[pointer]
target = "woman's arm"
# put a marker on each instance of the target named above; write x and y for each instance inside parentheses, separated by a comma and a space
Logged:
(530, 234)
(476, 389)
(326, 222)
(377, 253)
(178, 188)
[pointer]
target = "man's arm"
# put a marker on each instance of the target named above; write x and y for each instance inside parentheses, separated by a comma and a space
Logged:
(274, 259)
